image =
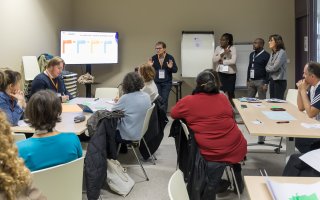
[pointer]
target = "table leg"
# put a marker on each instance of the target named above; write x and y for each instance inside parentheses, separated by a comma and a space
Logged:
(180, 92)
(290, 147)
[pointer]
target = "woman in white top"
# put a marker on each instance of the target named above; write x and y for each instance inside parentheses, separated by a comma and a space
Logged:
(148, 73)
(224, 62)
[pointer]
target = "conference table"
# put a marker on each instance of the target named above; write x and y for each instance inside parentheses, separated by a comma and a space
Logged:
(69, 111)
(291, 123)
(257, 187)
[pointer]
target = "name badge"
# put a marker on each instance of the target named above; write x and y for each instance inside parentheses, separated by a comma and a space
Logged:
(251, 73)
(223, 68)
(161, 74)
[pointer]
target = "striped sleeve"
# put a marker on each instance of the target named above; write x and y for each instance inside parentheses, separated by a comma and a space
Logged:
(315, 102)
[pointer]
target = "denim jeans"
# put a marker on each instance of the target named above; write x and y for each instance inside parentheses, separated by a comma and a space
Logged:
(164, 91)
(214, 173)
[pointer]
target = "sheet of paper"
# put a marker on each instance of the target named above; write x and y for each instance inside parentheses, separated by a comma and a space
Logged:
(22, 123)
(312, 158)
(278, 115)
(257, 122)
(259, 105)
(306, 125)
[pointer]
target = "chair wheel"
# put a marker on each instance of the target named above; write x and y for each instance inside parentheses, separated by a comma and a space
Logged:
(277, 150)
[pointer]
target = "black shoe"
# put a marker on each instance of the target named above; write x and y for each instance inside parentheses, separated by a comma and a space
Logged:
(123, 148)
(223, 186)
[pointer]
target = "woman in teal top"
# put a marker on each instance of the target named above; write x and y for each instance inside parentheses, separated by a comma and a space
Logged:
(47, 147)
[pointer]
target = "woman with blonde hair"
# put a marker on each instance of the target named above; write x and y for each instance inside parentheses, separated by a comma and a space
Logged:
(147, 72)
(15, 178)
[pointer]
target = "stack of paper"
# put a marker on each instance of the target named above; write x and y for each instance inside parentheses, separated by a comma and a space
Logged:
(274, 100)
(249, 100)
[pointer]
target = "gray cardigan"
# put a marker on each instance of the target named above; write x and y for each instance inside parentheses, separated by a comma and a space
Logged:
(135, 106)
(277, 65)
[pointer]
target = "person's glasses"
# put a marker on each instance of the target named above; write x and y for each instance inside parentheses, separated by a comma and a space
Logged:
(159, 48)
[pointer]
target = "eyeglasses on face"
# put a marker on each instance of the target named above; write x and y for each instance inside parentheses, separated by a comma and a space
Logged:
(158, 48)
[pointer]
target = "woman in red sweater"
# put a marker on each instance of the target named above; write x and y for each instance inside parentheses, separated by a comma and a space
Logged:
(210, 115)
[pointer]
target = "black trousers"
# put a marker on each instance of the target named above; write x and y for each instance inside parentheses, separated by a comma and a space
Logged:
(228, 82)
(214, 173)
(278, 88)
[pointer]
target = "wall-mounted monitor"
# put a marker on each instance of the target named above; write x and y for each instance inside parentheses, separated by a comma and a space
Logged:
(89, 47)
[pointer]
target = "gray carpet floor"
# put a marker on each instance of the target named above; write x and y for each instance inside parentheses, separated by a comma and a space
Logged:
(258, 157)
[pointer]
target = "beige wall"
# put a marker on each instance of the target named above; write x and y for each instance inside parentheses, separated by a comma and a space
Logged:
(141, 23)
(30, 28)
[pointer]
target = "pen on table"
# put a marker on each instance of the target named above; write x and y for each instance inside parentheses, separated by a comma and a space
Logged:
(282, 122)
(96, 99)
(259, 121)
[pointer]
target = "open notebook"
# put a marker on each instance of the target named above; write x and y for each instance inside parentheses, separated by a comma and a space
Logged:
(291, 191)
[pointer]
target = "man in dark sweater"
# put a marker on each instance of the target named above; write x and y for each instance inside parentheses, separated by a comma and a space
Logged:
(257, 77)
(51, 79)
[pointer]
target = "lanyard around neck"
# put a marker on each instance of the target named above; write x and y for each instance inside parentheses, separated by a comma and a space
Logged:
(255, 56)
(56, 85)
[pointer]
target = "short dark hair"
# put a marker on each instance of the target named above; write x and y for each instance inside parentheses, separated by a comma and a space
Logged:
(162, 44)
(207, 82)
(8, 77)
(132, 82)
(314, 68)
(279, 42)
(229, 37)
(43, 110)
(261, 40)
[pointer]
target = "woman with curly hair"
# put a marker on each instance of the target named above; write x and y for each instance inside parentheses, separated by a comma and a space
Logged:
(135, 104)
(15, 178)
(147, 72)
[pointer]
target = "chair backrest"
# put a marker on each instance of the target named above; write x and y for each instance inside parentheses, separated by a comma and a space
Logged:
(19, 136)
(106, 93)
(177, 187)
(185, 129)
(292, 95)
(62, 182)
(147, 120)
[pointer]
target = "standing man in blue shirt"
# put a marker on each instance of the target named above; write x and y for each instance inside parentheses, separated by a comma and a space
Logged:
(257, 77)
(309, 100)
(164, 65)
